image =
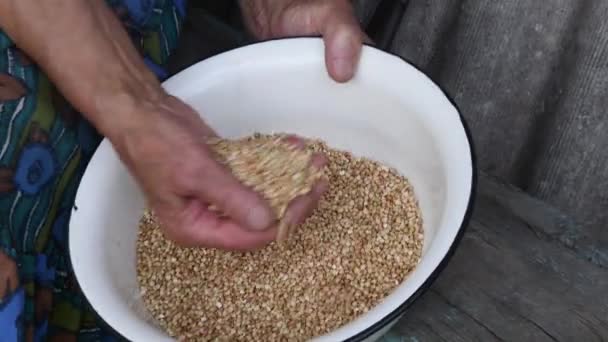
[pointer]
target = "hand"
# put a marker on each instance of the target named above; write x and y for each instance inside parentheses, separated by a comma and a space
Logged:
(333, 19)
(167, 154)
(159, 138)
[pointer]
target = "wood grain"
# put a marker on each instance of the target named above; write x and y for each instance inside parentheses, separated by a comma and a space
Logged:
(512, 279)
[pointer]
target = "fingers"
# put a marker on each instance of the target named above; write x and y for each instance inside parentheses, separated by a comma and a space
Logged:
(342, 51)
(336, 21)
(213, 183)
(343, 39)
(303, 206)
(249, 224)
(246, 207)
(200, 227)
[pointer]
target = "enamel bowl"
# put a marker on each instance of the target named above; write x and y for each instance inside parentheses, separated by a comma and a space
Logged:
(390, 112)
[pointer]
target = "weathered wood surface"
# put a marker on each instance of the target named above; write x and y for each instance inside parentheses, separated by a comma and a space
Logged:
(517, 276)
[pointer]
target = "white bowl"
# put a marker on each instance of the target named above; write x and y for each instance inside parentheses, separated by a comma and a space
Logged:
(390, 112)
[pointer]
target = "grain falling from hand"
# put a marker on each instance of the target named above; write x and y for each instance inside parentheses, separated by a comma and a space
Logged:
(271, 166)
(362, 241)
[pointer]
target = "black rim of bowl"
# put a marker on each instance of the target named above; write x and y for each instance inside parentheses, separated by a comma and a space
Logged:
(399, 311)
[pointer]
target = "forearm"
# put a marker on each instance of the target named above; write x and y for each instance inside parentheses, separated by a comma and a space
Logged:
(85, 51)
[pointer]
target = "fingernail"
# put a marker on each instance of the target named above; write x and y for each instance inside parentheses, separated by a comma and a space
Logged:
(343, 69)
(259, 219)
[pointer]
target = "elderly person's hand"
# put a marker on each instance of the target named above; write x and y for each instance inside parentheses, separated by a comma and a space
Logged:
(166, 151)
(333, 19)
(88, 55)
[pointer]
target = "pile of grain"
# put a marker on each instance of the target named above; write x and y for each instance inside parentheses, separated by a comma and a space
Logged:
(361, 242)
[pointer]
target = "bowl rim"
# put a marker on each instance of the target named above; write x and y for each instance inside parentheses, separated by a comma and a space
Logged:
(466, 219)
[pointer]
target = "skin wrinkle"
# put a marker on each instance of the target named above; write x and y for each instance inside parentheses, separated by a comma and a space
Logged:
(106, 56)
(334, 20)
(152, 132)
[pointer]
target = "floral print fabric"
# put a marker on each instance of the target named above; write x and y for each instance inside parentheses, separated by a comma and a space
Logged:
(44, 149)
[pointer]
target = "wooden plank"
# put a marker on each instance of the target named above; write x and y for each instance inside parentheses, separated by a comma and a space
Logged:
(507, 282)
(448, 324)
(546, 220)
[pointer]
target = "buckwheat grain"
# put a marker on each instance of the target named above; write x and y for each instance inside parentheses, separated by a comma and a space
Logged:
(361, 242)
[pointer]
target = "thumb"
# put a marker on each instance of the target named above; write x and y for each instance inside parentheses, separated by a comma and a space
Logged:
(243, 205)
(343, 43)
(341, 31)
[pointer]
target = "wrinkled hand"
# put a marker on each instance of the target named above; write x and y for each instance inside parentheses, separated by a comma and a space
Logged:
(167, 154)
(333, 19)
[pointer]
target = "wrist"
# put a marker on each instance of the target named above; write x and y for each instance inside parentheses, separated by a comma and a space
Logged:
(115, 110)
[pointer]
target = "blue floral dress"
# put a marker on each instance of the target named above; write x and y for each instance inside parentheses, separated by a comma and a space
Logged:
(44, 149)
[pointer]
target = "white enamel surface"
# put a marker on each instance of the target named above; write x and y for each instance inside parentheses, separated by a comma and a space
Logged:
(390, 112)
